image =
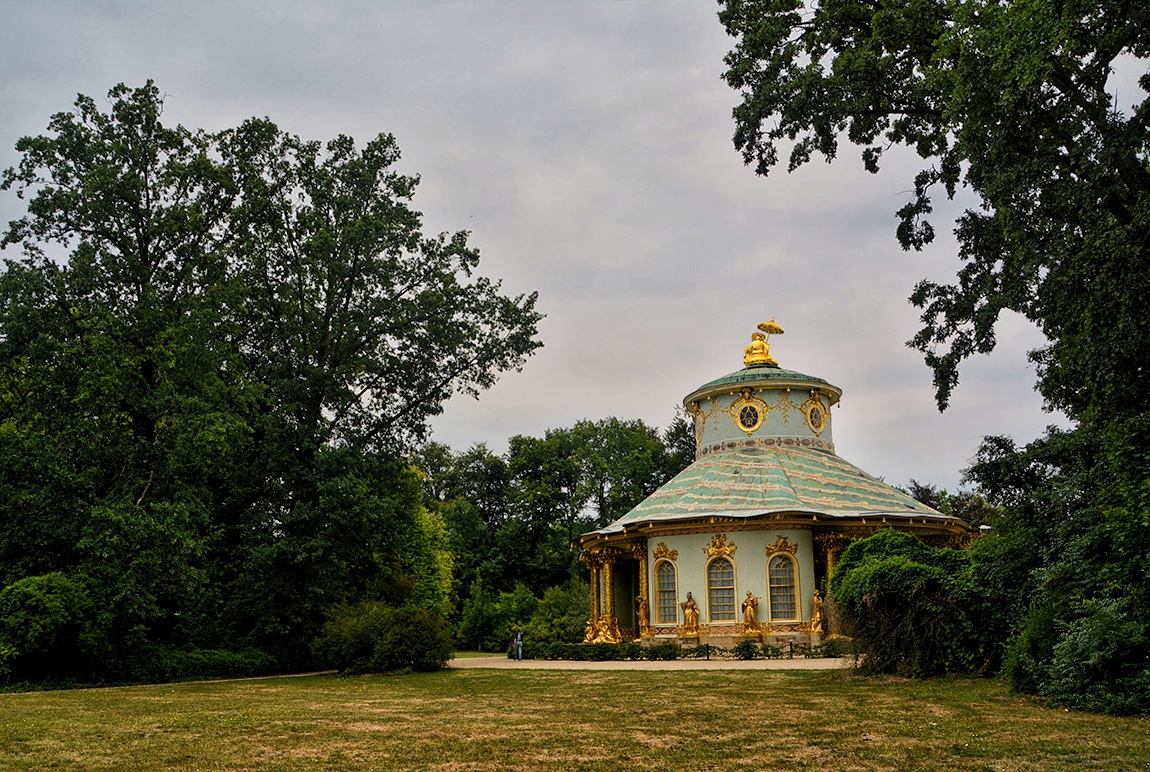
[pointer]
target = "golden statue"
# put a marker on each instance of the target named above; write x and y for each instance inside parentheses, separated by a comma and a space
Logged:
(644, 617)
(759, 352)
(589, 633)
(690, 616)
(816, 626)
(603, 631)
(751, 615)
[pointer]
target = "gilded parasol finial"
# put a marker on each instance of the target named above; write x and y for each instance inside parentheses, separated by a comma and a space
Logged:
(759, 352)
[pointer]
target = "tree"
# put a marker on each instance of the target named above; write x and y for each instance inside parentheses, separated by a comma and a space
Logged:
(680, 442)
(364, 325)
(1017, 103)
(1013, 101)
(212, 351)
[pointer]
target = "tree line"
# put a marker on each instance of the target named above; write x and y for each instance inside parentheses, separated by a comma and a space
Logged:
(513, 520)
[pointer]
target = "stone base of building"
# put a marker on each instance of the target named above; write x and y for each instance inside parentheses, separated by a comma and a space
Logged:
(728, 641)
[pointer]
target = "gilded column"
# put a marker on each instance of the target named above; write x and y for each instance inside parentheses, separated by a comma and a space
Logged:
(608, 588)
(595, 597)
(609, 628)
(592, 563)
(831, 545)
(640, 553)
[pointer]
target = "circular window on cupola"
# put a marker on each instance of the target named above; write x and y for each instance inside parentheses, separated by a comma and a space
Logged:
(748, 411)
(815, 413)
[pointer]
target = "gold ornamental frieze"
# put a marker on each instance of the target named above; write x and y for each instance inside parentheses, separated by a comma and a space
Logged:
(720, 547)
(784, 405)
(611, 554)
(590, 559)
(661, 552)
(782, 544)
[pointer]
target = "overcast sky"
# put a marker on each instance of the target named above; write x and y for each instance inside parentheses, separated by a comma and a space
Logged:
(586, 146)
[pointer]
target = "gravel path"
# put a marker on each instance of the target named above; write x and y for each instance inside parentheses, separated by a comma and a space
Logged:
(502, 663)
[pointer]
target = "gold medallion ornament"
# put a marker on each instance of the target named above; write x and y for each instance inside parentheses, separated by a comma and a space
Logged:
(748, 411)
(661, 552)
(816, 413)
(759, 352)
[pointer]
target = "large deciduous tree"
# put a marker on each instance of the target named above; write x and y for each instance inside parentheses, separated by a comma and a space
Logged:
(211, 351)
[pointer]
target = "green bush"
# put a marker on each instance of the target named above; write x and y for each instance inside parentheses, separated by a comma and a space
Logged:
(371, 637)
(48, 630)
(907, 607)
(833, 647)
(561, 615)
(598, 652)
(668, 650)
(1093, 657)
(775, 652)
(156, 664)
(705, 651)
(747, 649)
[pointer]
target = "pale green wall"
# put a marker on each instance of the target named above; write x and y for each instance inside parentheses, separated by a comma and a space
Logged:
(750, 561)
(783, 420)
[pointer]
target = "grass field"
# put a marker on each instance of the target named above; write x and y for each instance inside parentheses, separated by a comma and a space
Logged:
(552, 720)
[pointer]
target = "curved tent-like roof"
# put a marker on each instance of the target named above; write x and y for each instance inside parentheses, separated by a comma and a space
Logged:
(752, 482)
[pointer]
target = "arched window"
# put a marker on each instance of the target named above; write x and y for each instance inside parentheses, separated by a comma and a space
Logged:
(721, 590)
(781, 587)
(666, 593)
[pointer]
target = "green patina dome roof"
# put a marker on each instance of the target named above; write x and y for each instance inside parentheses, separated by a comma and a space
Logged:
(751, 482)
(761, 373)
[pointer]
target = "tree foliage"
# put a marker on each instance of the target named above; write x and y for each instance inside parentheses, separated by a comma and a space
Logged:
(1013, 101)
(1018, 103)
(1075, 563)
(512, 520)
(213, 350)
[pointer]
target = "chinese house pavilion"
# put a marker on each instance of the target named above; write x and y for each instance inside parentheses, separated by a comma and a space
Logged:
(740, 542)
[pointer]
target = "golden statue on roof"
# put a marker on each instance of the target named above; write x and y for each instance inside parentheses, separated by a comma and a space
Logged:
(759, 352)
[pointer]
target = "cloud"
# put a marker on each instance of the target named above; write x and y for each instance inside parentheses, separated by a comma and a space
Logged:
(586, 146)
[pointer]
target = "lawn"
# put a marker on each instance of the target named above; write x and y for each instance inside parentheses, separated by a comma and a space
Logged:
(559, 720)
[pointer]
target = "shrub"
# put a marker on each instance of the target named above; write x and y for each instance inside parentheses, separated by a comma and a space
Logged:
(561, 616)
(1093, 658)
(746, 649)
(907, 607)
(48, 630)
(832, 647)
(668, 650)
(774, 652)
(155, 664)
(370, 637)
(705, 651)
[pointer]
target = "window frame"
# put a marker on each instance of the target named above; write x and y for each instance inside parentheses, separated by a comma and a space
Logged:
(659, 618)
(733, 588)
(794, 589)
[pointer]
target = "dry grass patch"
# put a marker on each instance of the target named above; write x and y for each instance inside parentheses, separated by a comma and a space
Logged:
(484, 720)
